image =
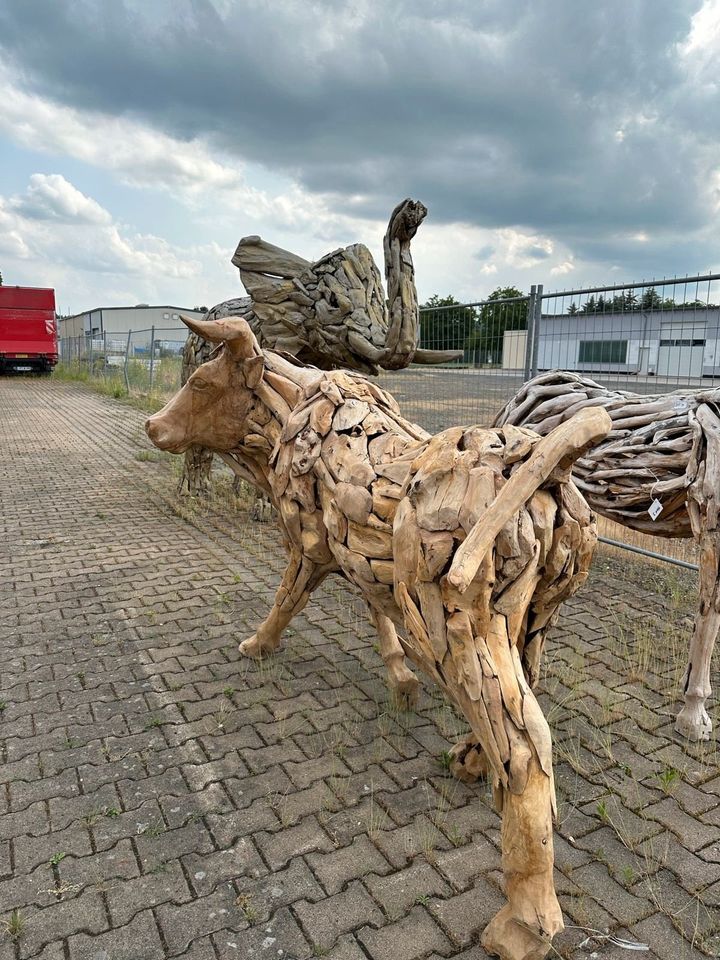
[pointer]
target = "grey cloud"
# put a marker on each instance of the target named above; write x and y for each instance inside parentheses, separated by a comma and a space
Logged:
(494, 113)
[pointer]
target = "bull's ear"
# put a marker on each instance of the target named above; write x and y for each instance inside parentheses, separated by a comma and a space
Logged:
(233, 331)
(253, 371)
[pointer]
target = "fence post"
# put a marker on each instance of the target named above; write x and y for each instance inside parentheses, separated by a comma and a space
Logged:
(529, 336)
(536, 330)
(105, 358)
(125, 365)
(152, 356)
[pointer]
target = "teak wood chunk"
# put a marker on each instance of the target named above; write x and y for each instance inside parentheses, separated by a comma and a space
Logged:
(466, 543)
(664, 448)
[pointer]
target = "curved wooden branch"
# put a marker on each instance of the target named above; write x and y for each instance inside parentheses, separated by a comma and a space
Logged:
(560, 448)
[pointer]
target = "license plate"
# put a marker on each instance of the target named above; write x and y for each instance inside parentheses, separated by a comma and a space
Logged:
(23, 368)
(22, 356)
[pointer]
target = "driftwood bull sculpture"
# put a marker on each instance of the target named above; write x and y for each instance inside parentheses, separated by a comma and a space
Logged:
(662, 448)
(466, 541)
(331, 313)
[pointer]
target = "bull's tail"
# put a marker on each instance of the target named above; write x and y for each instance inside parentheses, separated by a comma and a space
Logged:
(561, 448)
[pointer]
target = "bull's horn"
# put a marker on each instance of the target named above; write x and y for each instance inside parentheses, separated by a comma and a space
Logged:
(233, 331)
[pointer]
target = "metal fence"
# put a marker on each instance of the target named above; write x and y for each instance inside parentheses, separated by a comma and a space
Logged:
(142, 361)
(649, 337)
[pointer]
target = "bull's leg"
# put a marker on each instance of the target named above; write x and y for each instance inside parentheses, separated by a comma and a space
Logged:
(468, 762)
(515, 737)
(298, 582)
(401, 680)
(523, 929)
(195, 479)
(693, 721)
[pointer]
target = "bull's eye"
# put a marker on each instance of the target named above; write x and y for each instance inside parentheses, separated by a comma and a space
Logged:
(199, 384)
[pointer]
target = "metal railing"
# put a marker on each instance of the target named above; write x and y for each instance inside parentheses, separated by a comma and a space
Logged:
(644, 337)
(141, 361)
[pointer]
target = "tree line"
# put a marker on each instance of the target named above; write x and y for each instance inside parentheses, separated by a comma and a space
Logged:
(446, 324)
(629, 302)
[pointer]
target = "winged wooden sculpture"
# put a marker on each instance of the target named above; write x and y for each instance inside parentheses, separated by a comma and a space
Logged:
(332, 313)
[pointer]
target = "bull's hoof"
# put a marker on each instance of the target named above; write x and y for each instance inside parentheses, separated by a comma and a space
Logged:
(468, 761)
(693, 722)
(405, 693)
(508, 939)
(252, 647)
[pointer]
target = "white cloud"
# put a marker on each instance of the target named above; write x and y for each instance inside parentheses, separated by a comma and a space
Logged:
(83, 240)
(52, 197)
(699, 51)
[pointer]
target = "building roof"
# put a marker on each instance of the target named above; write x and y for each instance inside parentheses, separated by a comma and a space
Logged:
(132, 306)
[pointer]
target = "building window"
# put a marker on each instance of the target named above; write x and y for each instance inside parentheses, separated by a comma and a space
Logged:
(603, 351)
(682, 343)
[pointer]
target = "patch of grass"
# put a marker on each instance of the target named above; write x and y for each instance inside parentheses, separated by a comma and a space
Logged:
(151, 829)
(244, 901)
(145, 456)
(110, 381)
(153, 721)
(3, 705)
(56, 858)
(15, 926)
(667, 778)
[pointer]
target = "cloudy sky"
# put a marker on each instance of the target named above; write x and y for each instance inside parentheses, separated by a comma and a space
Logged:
(560, 141)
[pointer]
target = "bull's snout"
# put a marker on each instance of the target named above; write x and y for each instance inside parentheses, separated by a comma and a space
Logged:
(162, 435)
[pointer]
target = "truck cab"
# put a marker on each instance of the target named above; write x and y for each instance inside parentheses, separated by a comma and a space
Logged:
(28, 329)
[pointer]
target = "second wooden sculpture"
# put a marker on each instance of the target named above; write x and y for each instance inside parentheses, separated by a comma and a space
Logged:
(663, 452)
(466, 542)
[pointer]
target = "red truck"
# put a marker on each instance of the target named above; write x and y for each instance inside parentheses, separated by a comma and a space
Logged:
(28, 329)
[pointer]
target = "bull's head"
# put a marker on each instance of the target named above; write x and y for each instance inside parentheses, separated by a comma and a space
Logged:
(211, 408)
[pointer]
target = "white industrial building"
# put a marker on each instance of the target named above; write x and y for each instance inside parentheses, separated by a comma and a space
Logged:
(111, 325)
(675, 343)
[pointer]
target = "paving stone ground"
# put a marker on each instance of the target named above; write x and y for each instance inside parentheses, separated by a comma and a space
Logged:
(162, 797)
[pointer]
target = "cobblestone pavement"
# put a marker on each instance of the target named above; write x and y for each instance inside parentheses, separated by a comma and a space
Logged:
(162, 797)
